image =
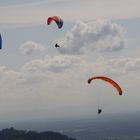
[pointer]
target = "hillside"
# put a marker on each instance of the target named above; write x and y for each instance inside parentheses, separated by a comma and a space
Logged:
(13, 134)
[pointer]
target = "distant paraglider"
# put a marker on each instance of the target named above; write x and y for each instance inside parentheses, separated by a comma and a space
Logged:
(109, 80)
(57, 19)
(112, 82)
(99, 111)
(0, 41)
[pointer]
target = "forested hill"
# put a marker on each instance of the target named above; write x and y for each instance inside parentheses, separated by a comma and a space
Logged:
(13, 134)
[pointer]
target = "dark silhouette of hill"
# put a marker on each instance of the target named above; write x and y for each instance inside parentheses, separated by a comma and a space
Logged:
(13, 134)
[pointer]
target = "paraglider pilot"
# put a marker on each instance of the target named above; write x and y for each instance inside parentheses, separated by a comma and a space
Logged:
(56, 45)
(99, 111)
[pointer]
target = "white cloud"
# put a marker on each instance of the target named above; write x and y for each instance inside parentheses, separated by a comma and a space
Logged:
(30, 47)
(7, 74)
(80, 67)
(48, 72)
(120, 66)
(54, 64)
(68, 69)
(97, 35)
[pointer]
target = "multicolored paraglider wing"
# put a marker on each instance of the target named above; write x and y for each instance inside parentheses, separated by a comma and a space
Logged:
(0, 42)
(107, 80)
(57, 19)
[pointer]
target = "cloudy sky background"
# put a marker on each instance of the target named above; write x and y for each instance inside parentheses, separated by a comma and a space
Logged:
(40, 81)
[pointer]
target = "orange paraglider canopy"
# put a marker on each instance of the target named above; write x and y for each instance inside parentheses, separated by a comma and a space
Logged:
(109, 80)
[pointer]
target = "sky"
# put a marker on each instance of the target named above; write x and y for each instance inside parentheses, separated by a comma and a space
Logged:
(40, 81)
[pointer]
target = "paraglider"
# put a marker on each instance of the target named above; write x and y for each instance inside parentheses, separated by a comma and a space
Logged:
(109, 80)
(99, 111)
(0, 42)
(57, 19)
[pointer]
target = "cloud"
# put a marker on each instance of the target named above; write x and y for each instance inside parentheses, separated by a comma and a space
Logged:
(9, 74)
(68, 69)
(120, 66)
(98, 35)
(129, 64)
(58, 63)
(69, 64)
(71, 69)
(30, 47)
